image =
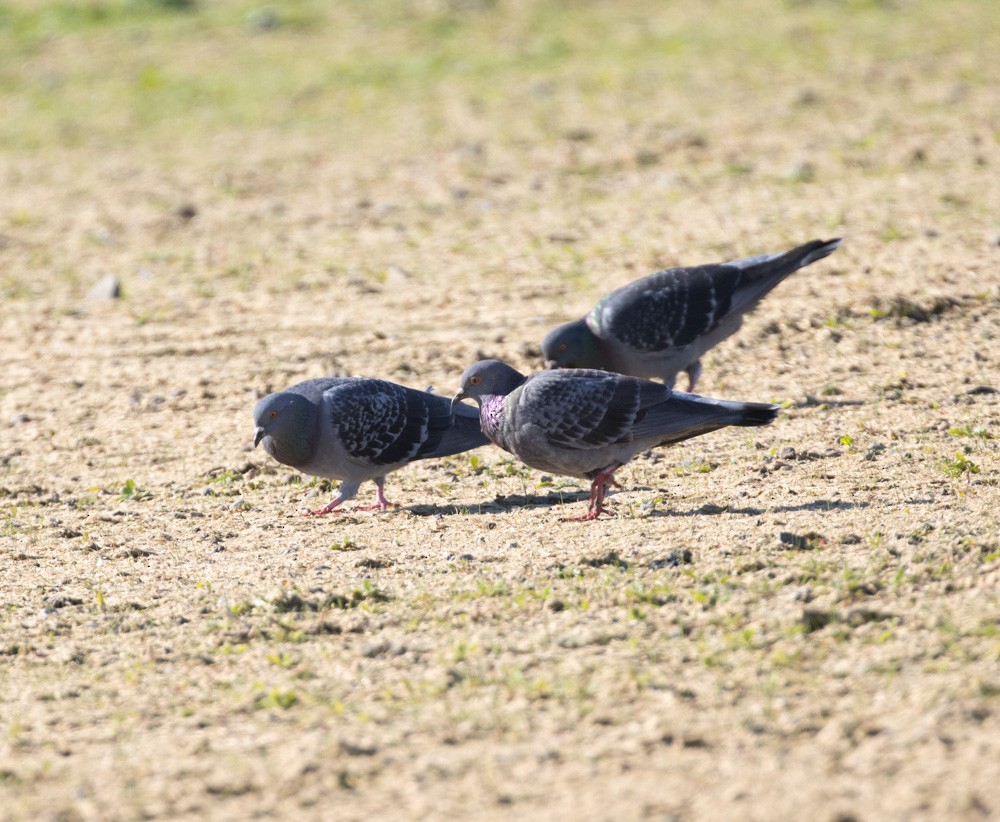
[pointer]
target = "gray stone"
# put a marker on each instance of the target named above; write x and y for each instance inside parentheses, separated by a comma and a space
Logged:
(106, 288)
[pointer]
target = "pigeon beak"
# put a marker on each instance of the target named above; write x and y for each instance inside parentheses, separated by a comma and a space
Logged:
(258, 435)
(550, 364)
(461, 395)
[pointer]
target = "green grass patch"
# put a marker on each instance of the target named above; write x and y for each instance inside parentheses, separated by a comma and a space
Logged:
(180, 70)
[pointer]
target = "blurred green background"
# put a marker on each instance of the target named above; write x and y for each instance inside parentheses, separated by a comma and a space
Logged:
(114, 72)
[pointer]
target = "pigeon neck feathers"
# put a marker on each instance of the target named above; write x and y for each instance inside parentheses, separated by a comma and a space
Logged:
(491, 413)
(489, 383)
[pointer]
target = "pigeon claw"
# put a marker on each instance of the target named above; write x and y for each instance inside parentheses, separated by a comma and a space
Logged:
(329, 508)
(591, 515)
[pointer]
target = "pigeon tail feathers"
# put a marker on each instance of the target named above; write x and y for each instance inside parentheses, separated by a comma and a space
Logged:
(684, 416)
(767, 267)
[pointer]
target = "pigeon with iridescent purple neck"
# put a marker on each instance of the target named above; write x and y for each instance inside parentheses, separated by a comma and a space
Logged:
(661, 325)
(355, 429)
(586, 423)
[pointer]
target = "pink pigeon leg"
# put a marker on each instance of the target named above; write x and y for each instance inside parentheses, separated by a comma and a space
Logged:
(346, 491)
(381, 503)
(598, 488)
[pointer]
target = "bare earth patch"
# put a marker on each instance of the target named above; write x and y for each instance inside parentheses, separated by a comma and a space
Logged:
(800, 621)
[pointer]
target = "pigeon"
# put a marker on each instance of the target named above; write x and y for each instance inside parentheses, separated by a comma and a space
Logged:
(356, 429)
(589, 423)
(662, 324)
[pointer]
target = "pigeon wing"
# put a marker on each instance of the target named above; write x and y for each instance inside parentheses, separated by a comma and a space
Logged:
(378, 422)
(586, 409)
(673, 308)
(669, 309)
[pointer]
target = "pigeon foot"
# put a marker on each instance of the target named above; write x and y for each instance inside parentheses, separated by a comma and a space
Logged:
(329, 508)
(591, 515)
(381, 503)
(598, 488)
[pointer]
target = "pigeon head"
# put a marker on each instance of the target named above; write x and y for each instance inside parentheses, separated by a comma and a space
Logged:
(572, 345)
(287, 424)
(487, 378)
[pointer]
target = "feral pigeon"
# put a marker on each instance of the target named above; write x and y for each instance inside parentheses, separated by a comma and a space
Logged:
(587, 423)
(662, 324)
(356, 429)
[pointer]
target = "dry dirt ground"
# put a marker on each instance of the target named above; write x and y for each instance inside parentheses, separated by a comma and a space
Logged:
(800, 621)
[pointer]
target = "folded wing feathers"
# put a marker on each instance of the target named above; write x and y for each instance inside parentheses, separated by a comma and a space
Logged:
(673, 307)
(378, 421)
(670, 308)
(583, 411)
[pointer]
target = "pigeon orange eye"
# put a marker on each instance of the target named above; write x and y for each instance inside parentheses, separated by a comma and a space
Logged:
(474, 380)
(274, 414)
(562, 346)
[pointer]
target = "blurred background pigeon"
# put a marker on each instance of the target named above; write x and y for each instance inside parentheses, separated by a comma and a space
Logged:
(662, 324)
(355, 429)
(586, 423)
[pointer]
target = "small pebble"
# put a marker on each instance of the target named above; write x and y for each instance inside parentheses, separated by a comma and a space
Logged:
(106, 288)
(802, 594)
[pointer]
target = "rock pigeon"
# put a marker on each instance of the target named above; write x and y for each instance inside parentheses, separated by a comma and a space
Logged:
(588, 423)
(356, 429)
(662, 324)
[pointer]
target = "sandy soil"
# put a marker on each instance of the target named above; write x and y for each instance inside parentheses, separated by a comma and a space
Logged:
(790, 622)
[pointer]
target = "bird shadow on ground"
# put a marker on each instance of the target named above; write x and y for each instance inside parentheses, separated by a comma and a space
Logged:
(449, 510)
(824, 505)
(812, 402)
(500, 505)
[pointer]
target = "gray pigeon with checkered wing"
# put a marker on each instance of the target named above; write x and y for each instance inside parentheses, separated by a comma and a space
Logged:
(661, 325)
(587, 423)
(355, 429)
